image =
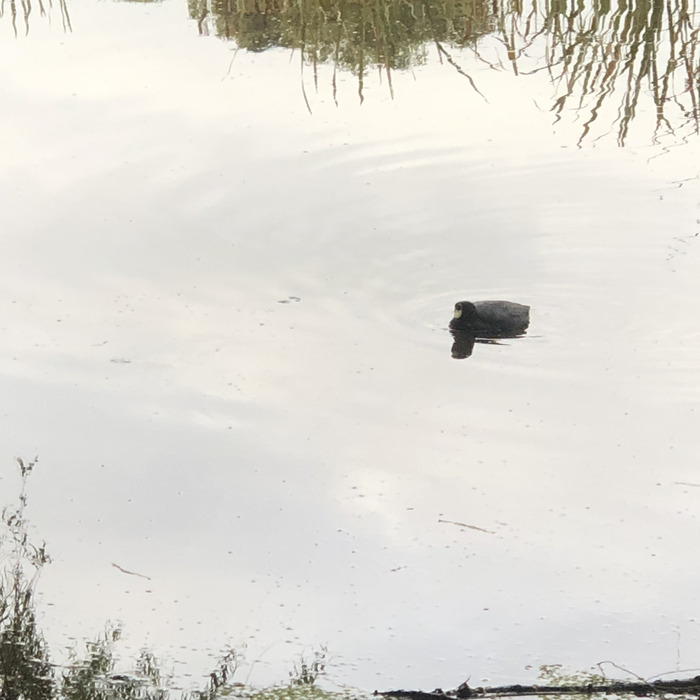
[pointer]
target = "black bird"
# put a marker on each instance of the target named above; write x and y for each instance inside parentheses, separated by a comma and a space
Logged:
(491, 319)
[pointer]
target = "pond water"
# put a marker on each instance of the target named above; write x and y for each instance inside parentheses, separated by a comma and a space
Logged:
(225, 288)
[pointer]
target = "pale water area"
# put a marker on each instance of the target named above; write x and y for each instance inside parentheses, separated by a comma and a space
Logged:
(224, 335)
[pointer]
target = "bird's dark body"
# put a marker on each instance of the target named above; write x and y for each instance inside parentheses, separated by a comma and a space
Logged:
(491, 319)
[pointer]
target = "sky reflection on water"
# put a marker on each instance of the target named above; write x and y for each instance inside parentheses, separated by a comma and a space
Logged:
(280, 471)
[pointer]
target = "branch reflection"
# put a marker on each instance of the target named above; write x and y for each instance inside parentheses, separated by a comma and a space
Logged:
(604, 62)
(608, 64)
(27, 9)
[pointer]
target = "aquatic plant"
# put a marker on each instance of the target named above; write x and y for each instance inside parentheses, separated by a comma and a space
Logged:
(308, 671)
(92, 675)
(221, 682)
(25, 670)
(91, 671)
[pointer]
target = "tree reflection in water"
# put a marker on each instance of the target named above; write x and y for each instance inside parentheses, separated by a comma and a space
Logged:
(602, 61)
(26, 8)
(606, 63)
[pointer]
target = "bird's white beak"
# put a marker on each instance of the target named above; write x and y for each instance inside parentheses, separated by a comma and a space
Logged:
(458, 312)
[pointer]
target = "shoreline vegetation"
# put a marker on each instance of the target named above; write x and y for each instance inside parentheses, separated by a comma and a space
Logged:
(27, 671)
(684, 687)
(91, 673)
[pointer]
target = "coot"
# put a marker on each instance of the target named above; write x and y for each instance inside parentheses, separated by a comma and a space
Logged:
(491, 319)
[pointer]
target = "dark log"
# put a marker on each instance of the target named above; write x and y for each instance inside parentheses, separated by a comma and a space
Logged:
(686, 686)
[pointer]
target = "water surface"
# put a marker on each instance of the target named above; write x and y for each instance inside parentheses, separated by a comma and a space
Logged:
(224, 334)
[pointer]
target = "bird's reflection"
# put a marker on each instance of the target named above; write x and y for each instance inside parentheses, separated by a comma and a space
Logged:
(464, 341)
(486, 322)
(463, 344)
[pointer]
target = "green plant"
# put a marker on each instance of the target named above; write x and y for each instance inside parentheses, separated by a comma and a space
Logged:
(25, 670)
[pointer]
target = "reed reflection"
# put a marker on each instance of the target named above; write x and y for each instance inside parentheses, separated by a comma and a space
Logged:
(605, 62)
(26, 9)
